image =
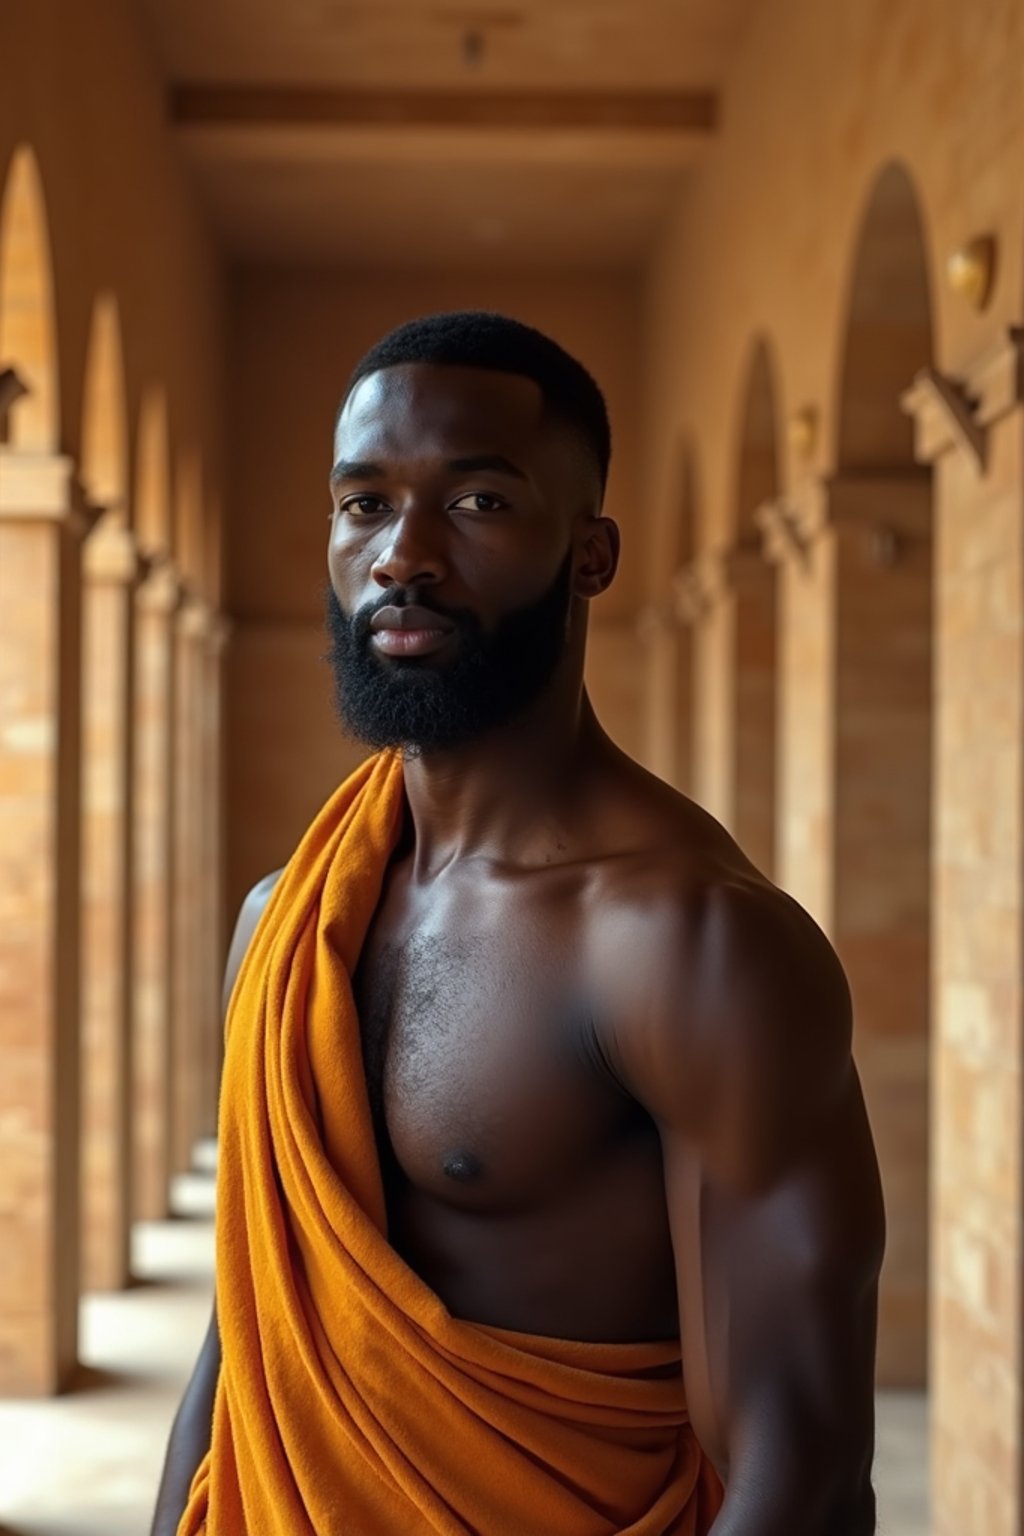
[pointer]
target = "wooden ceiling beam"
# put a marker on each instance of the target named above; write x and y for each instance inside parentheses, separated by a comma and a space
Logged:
(253, 106)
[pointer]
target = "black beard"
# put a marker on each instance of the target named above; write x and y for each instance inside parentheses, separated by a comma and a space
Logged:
(425, 708)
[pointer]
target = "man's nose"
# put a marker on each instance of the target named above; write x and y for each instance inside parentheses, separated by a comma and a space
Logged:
(413, 555)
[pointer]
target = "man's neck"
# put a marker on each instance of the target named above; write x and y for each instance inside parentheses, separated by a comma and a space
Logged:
(502, 798)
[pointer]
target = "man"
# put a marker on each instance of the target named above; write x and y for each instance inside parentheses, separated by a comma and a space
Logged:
(547, 1201)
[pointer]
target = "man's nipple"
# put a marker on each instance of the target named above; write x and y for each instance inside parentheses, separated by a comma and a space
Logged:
(462, 1166)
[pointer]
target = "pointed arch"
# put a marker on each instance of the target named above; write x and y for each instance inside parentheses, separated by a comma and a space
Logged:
(28, 323)
(888, 333)
(104, 439)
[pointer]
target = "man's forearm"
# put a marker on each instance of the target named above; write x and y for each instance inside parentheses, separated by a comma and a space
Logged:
(189, 1439)
(769, 1515)
(814, 1495)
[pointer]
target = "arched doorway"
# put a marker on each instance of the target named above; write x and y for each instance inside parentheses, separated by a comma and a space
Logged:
(753, 727)
(882, 507)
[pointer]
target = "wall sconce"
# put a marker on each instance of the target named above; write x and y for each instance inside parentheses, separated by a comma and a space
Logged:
(970, 270)
(802, 432)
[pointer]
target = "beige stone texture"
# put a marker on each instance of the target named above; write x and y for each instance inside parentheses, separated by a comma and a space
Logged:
(110, 568)
(39, 923)
(153, 889)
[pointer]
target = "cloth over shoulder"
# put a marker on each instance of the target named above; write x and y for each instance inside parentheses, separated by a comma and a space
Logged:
(350, 1401)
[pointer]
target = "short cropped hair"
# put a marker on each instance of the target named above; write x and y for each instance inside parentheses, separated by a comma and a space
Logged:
(479, 339)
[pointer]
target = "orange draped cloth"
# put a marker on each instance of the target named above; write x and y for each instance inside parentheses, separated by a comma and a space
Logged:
(350, 1401)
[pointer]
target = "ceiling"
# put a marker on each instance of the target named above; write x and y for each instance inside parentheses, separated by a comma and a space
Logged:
(412, 133)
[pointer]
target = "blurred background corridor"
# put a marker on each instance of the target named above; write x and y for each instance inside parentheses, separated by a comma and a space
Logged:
(788, 240)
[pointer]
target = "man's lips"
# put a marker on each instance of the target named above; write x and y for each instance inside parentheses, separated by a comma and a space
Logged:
(409, 631)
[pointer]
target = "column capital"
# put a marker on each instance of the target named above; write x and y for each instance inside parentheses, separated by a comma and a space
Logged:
(219, 633)
(110, 555)
(698, 586)
(652, 620)
(42, 488)
(159, 590)
(956, 411)
(195, 617)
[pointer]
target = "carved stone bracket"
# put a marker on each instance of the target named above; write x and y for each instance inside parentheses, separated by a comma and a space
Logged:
(111, 555)
(786, 528)
(652, 620)
(700, 585)
(160, 589)
(956, 413)
(12, 387)
(219, 633)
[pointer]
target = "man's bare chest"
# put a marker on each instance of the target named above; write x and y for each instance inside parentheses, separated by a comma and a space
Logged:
(479, 1043)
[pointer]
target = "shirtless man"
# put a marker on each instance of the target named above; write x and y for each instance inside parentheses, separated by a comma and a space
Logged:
(608, 1062)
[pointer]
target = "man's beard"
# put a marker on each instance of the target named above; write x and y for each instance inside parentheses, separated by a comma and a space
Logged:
(427, 708)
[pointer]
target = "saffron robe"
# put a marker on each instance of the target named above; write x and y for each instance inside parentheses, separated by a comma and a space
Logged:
(350, 1402)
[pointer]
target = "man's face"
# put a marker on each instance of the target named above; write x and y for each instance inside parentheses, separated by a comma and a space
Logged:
(462, 516)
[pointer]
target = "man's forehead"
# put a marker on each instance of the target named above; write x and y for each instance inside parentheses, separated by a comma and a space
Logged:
(420, 401)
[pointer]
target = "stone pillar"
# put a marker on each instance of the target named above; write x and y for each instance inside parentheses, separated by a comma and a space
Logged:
(728, 595)
(656, 632)
(110, 568)
(856, 684)
(704, 598)
(157, 600)
(40, 532)
(752, 730)
(799, 541)
(972, 431)
(212, 875)
(191, 915)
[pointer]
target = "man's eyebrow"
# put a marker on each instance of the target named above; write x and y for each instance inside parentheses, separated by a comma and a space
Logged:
(495, 462)
(355, 469)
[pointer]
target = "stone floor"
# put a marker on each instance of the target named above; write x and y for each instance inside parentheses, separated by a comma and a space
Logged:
(87, 1464)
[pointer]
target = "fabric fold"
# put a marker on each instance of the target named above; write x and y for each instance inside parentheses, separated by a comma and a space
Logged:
(350, 1401)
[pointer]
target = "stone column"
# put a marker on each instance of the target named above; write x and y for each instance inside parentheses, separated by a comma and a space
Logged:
(191, 915)
(212, 875)
(157, 600)
(855, 583)
(728, 595)
(972, 431)
(752, 732)
(703, 595)
(655, 630)
(110, 568)
(40, 532)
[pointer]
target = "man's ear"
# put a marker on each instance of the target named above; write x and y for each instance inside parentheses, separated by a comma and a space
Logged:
(599, 556)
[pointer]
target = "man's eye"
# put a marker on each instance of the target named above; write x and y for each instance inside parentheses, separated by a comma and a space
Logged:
(478, 501)
(362, 506)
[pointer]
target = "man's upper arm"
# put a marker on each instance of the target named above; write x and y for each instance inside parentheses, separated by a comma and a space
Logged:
(772, 1187)
(249, 915)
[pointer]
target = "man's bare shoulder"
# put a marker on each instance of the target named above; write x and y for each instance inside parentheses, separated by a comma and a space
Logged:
(249, 914)
(723, 990)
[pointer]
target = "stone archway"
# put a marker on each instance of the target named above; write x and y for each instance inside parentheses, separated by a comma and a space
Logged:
(881, 507)
(754, 643)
